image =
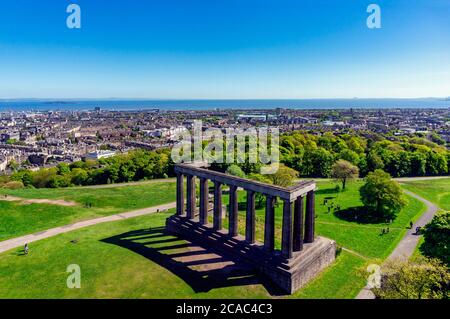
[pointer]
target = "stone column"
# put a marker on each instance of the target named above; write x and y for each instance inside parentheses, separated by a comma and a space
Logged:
(269, 224)
(286, 239)
(190, 197)
(180, 195)
(204, 192)
(217, 223)
(250, 218)
(298, 224)
(233, 213)
(309, 218)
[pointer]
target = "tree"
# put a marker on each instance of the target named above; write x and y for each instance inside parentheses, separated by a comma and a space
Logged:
(413, 279)
(437, 237)
(349, 156)
(374, 161)
(260, 198)
(13, 185)
(284, 177)
(235, 171)
(63, 168)
(79, 176)
(381, 195)
(317, 163)
(344, 171)
(436, 163)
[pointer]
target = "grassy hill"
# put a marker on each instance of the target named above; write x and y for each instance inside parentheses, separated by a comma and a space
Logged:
(436, 191)
(135, 259)
(17, 218)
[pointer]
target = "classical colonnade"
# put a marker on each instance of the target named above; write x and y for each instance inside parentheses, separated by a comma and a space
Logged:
(298, 213)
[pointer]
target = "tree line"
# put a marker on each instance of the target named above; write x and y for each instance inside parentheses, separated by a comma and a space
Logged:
(308, 154)
(314, 156)
(134, 166)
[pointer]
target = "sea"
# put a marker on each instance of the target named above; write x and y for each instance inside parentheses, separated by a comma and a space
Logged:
(175, 105)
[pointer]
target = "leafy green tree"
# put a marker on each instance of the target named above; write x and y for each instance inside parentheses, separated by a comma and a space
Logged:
(349, 156)
(437, 163)
(317, 163)
(57, 181)
(418, 162)
(284, 176)
(11, 141)
(436, 138)
(63, 168)
(381, 195)
(24, 176)
(414, 279)
(437, 237)
(42, 178)
(374, 161)
(79, 176)
(235, 170)
(343, 171)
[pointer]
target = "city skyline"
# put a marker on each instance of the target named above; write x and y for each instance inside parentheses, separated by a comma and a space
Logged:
(233, 50)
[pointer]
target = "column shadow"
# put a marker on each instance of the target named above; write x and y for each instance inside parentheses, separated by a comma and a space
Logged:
(201, 268)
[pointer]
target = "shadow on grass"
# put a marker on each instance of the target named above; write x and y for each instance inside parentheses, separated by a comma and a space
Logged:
(201, 268)
(358, 215)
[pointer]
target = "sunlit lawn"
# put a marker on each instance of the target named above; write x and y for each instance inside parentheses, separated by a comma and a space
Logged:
(112, 271)
(365, 239)
(123, 273)
(18, 219)
(436, 191)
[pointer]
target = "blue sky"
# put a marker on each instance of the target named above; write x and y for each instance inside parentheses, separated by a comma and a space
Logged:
(179, 49)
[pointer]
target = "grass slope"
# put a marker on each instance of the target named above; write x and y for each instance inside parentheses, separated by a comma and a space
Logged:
(436, 191)
(17, 219)
(111, 271)
(115, 271)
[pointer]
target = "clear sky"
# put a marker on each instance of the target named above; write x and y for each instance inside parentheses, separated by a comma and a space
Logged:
(224, 49)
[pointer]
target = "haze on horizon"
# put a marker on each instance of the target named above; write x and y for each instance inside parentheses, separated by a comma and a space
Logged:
(199, 49)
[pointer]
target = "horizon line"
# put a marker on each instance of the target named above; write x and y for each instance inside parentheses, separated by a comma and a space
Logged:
(215, 99)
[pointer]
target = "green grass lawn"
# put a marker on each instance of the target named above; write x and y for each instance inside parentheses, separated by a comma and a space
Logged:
(18, 219)
(417, 252)
(436, 191)
(365, 239)
(123, 273)
(127, 250)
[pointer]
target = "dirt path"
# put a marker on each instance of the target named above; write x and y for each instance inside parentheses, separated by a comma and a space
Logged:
(424, 178)
(408, 244)
(21, 241)
(60, 202)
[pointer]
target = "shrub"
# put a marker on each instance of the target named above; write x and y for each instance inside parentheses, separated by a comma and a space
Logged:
(13, 185)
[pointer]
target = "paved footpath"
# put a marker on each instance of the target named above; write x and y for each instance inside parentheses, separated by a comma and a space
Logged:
(21, 241)
(408, 244)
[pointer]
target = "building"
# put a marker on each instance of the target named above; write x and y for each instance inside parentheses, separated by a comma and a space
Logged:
(100, 154)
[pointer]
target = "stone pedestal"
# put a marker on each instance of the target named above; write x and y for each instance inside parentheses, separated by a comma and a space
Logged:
(288, 274)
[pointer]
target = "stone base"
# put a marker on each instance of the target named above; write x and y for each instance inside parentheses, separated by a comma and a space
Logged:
(287, 274)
